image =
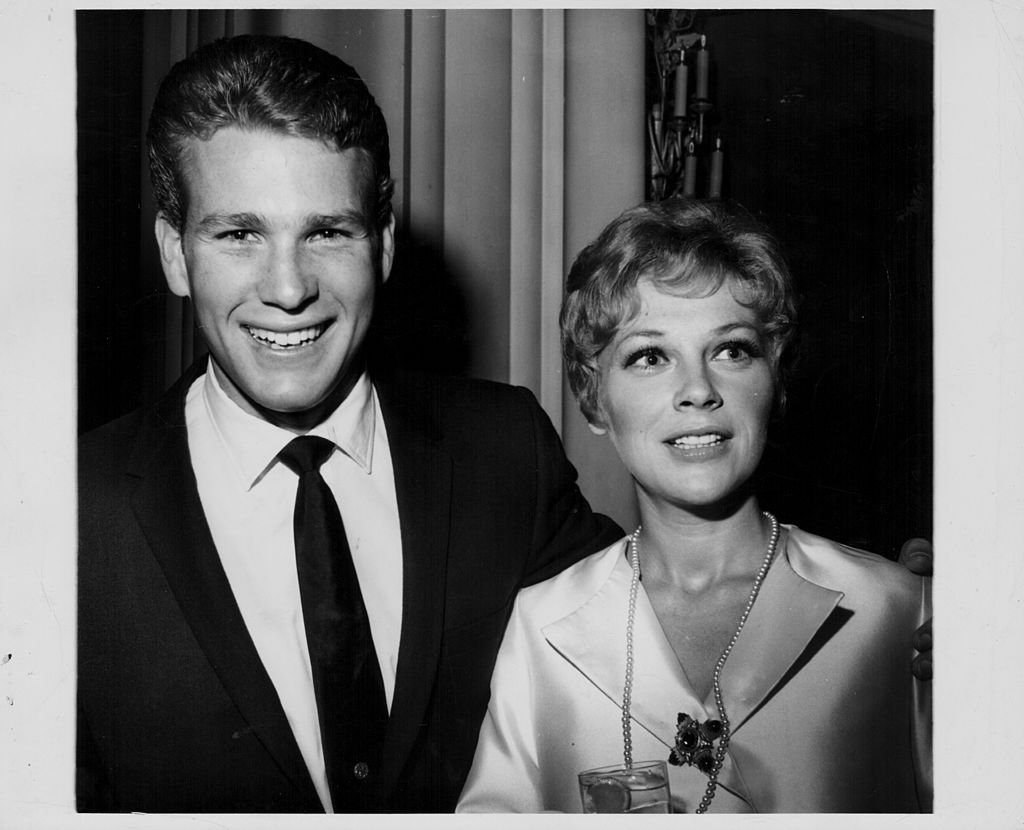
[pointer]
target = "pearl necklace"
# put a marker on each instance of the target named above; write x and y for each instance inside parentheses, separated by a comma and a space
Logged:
(627, 691)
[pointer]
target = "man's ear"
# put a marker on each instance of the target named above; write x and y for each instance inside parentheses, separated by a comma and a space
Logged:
(387, 248)
(172, 256)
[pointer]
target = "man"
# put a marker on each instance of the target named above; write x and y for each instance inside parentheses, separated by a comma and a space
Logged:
(209, 670)
(198, 678)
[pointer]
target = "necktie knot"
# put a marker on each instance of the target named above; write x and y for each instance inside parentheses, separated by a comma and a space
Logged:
(306, 453)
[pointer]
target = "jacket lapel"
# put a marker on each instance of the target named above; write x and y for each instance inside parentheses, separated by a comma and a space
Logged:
(590, 637)
(787, 614)
(423, 471)
(593, 639)
(167, 506)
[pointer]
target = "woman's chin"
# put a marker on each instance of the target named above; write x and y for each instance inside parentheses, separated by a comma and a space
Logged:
(712, 503)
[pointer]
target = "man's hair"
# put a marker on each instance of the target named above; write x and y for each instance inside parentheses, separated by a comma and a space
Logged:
(687, 247)
(259, 82)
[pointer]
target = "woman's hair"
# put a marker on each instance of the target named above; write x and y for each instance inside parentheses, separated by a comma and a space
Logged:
(264, 83)
(686, 246)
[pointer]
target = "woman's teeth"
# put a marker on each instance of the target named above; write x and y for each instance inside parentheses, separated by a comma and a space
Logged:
(284, 339)
(691, 441)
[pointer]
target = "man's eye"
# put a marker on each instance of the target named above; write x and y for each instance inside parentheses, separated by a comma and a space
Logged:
(331, 234)
(236, 235)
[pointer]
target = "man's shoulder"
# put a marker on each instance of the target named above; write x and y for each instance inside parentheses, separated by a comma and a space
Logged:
(450, 401)
(101, 447)
(110, 446)
(421, 386)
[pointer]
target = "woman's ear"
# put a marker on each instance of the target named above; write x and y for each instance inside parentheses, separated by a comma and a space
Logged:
(172, 256)
(595, 419)
(779, 372)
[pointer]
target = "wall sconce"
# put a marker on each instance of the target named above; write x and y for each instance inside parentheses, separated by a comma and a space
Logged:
(675, 118)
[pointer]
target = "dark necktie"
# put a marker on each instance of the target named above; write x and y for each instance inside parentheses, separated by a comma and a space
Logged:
(346, 676)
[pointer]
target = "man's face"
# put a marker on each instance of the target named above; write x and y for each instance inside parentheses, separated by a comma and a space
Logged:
(278, 256)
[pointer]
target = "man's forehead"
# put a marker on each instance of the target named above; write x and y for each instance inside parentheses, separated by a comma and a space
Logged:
(192, 144)
(216, 163)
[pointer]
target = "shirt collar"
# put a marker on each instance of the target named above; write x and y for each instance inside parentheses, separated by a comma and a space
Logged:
(252, 444)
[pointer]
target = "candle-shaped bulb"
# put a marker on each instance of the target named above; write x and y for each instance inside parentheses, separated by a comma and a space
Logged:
(690, 171)
(715, 188)
(682, 78)
(702, 68)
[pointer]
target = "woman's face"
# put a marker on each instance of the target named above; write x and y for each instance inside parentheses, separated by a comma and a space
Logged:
(686, 391)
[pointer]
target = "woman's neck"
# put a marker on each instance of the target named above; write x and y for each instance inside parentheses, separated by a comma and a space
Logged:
(695, 552)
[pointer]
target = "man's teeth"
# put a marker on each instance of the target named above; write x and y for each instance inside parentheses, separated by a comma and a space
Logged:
(698, 440)
(290, 338)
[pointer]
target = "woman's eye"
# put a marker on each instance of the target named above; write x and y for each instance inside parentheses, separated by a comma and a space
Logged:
(736, 351)
(646, 358)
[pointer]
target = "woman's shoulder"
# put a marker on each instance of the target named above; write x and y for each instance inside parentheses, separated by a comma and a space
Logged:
(857, 573)
(567, 590)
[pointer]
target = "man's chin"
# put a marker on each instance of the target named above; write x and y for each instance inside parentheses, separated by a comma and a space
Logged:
(300, 412)
(289, 402)
(289, 411)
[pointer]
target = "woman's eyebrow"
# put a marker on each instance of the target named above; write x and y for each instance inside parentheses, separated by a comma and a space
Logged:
(725, 327)
(738, 324)
(643, 333)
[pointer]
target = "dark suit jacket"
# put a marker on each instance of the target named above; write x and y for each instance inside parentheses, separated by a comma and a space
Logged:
(176, 712)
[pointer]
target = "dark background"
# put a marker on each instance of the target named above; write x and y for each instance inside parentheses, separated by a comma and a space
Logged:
(826, 120)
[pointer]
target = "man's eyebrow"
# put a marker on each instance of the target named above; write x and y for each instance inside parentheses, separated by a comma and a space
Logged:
(350, 218)
(234, 220)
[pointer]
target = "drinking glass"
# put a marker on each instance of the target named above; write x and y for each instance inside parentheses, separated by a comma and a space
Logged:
(640, 788)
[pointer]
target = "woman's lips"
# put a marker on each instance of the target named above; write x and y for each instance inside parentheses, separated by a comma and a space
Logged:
(697, 439)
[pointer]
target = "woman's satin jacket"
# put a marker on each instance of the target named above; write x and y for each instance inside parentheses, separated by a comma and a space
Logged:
(825, 714)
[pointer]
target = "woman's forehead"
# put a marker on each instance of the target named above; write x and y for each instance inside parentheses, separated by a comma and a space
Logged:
(693, 286)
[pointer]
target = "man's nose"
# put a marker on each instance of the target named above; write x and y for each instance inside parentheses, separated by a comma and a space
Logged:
(287, 282)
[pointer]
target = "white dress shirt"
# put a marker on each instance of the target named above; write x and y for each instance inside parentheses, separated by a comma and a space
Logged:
(248, 497)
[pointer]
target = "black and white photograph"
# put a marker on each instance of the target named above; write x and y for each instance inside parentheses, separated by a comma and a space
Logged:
(512, 410)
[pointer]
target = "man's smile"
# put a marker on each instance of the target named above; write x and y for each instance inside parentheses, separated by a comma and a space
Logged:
(289, 339)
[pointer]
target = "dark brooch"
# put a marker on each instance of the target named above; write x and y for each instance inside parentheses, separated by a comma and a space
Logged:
(695, 743)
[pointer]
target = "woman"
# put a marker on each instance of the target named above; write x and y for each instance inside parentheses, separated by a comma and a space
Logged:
(767, 664)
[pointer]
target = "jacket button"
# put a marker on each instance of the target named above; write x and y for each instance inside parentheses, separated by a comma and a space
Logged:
(361, 770)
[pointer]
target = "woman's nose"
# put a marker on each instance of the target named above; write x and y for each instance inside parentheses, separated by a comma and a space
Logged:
(696, 388)
(286, 282)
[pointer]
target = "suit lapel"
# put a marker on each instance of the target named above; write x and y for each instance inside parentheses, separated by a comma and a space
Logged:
(167, 506)
(423, 471)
